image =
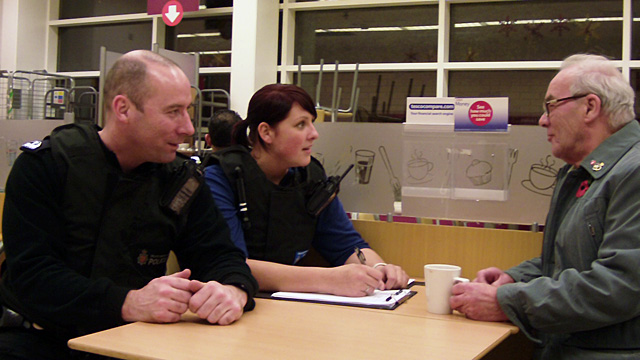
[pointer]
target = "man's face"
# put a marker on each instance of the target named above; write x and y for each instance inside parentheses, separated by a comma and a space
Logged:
(165, 122)
(564, 122)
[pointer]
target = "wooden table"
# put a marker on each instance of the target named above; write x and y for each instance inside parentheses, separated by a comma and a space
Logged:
(294, 330)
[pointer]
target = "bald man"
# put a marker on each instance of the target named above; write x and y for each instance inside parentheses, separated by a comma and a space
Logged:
(91, 215)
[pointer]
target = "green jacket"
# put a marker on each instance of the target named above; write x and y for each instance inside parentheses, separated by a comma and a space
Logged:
(581, 297)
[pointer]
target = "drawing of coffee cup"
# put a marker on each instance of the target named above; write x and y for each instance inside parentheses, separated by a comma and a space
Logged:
(542, 176)
(419, 168)
(364, 165)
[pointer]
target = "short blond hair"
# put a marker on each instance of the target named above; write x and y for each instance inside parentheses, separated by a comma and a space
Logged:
(128, 76)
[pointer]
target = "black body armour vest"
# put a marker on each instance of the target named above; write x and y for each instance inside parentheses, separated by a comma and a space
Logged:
(280, 227)
(115, 225)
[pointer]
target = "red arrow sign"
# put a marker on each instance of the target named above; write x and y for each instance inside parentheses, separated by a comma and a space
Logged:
(172, 13)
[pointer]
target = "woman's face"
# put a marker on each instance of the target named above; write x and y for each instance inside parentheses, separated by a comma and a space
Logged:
(293, 137)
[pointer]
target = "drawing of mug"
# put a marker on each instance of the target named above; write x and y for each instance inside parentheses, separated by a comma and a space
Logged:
(364, 164)
(542, 177)
(419, 168)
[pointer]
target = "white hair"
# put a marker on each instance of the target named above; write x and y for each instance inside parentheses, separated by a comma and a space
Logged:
(595, 74)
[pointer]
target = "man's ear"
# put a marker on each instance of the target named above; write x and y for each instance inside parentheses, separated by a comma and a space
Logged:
(594, 107)
(121, 106)
(207, 139)
(265, 132)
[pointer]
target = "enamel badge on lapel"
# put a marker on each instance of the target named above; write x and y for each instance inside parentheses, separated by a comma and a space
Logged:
(596, 166)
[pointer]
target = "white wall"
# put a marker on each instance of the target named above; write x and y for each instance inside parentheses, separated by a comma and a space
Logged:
(8, 27)
(1, 22)
(254, 57)
(23, 29)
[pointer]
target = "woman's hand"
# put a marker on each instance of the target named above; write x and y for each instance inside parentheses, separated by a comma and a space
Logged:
(355, 280)
(394, 276)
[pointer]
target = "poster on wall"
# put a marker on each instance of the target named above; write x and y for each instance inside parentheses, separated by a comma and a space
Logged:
(430, 110)
(481, 114)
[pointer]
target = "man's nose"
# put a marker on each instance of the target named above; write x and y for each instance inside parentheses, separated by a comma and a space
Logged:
(544, 120)
(187, 126)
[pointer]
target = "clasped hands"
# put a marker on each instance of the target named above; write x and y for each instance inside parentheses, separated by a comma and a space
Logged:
(165, 299)
(478, 299)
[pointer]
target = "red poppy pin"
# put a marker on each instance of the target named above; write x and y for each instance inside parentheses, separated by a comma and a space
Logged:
(584, 186)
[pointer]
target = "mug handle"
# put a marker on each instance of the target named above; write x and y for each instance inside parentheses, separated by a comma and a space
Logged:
(458, 280)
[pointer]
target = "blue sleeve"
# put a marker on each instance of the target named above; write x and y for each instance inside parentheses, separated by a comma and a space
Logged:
(224, 197)
(335, 236)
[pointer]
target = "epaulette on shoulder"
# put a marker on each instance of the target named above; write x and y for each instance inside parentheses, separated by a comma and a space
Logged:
(36, 145)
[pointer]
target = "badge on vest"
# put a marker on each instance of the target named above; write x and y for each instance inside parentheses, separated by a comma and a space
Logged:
(144, 258)
(32, 145)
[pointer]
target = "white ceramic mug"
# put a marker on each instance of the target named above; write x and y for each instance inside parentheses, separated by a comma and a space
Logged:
(439, 279)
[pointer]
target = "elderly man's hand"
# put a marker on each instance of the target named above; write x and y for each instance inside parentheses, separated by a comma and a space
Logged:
(477, 301)
(493, 276)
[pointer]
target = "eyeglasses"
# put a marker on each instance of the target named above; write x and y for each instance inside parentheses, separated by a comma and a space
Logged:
(555, 101)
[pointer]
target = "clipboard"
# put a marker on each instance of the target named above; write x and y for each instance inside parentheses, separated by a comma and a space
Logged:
(380, 299)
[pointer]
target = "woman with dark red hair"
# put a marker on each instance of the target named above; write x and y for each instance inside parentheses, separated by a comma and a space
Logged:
(263, 185)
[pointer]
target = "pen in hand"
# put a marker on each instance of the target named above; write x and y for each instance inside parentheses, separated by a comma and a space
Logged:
(363, 260)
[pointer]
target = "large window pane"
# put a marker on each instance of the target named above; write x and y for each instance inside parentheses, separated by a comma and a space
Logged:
(211, 37)
(383, 95)
(635, 84)
(213, 87)
(635, 31)
(216, 3)
(375, 35)
(79, 47)
(525, 90)
(535, 30)
(85, 8)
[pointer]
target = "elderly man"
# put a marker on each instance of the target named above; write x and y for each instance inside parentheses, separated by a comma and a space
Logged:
(579, 299)
(91, 215)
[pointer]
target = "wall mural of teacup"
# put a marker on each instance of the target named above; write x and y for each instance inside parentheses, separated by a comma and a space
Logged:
(542, 177)
(419, 168)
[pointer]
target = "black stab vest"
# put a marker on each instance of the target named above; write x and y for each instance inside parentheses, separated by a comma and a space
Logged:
(115, 226)
(281, 229)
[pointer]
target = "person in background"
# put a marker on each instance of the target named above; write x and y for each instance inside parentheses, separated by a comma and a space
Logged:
(91, 214)
(272, 170)
(579, 299)
(220, 129)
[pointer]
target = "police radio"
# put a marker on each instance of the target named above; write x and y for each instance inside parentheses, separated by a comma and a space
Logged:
(324, 192)
(184, 186)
